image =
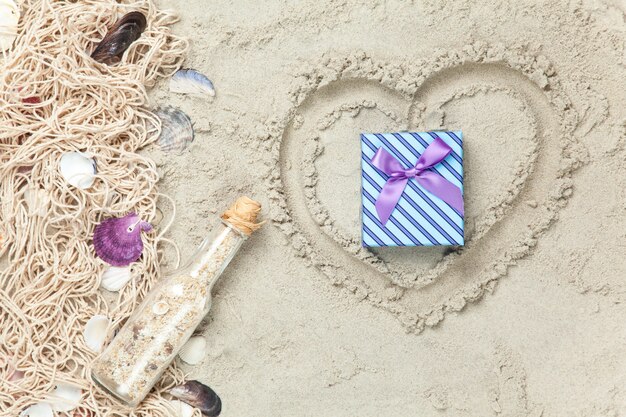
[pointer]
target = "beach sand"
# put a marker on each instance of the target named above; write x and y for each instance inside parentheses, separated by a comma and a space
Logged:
(526, 320)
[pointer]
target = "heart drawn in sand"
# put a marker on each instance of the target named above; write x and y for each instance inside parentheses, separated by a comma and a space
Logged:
(519, 151)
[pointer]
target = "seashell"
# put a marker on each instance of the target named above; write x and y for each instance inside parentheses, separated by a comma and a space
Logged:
(9, 18)
(95, 332)
(198, 395)
(78, 169)
(65, 397)
(176, 129)
(181, 409)
(194, 351)
(37, 200)
(117, 240)
(160, 308)
(190, 81)
(38, 410)
(114, 278)
(117, 40)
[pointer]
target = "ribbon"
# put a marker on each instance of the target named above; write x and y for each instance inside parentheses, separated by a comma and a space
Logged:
(399, 176)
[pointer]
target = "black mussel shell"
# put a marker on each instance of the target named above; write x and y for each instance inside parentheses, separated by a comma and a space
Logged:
(198, 395)
(125, 31)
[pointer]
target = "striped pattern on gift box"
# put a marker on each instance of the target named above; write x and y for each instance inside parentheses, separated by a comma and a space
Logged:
(420, 218)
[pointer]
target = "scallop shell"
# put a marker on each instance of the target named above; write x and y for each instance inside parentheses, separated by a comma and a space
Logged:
(198, 395)
(194, 351)
(190, 81)
(117, 240)
(117, 40)
(95, 332)
(114, 278)
(38, 410)
(176, 129)
(37, 200)
(65, 397)
(181, 409)
(9, 18)
(78, 169)
(160, 308)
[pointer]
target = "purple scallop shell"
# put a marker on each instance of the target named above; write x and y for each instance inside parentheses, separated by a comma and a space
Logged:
(118, 240)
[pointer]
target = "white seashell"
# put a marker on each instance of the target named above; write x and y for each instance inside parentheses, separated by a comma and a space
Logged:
(190, 81)
(9, 18)
(37, 201)
(176, 129)
(78, 169)
(160, 308)
(181, 409)
(194, 351)
(95, 332)
(38, 410)
(65, 397)
(114, 278)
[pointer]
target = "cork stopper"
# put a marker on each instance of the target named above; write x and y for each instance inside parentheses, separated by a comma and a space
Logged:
(242, 215)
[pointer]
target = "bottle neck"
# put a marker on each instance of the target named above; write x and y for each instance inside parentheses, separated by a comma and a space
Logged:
(215, 253)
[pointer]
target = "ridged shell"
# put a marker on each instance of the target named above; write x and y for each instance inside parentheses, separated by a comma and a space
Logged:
(190, 81)
(117, 241)
(78, 169)
(115, 278)
(65, 397)
(38, 410)
(194, 351)
(9, 18)
(37, 201)
(176, 129)
(95, 332)
(117, 40)
(198, 395)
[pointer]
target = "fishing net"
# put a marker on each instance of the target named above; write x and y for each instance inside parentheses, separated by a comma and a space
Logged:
(55, 99)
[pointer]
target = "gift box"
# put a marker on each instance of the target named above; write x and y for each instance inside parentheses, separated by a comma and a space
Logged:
(412, 189)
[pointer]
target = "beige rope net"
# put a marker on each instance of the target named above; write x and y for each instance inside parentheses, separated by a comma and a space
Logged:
(49, 275)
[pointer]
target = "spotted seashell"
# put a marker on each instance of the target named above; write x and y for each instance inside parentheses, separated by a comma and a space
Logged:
(117, 241)
(176, 129)
(160, 308)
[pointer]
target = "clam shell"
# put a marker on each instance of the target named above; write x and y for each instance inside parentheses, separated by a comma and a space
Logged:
(160, 308)
(117, 40)
(176, 129)
(181, 409)
(38, 410)
(9, 18)
(95, 332)
(78, 169)
(198, 395)
(114, 278)
(194, 351)
(117, 241)
(190, 81)
(37, 200)
(65, 397)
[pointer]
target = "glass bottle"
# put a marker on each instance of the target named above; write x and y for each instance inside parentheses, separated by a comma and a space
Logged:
(147, 344)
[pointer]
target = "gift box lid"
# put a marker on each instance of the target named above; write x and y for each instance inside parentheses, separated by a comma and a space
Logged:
(419, 218)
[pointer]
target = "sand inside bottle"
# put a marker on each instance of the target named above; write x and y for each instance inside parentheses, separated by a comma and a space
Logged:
(165, 320)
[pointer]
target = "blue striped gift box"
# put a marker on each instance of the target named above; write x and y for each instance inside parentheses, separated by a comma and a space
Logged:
(420, 218)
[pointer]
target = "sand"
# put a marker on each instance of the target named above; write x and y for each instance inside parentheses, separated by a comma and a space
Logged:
(525, 320)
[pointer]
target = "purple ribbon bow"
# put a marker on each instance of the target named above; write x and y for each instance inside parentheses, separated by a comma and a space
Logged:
(399, 176)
